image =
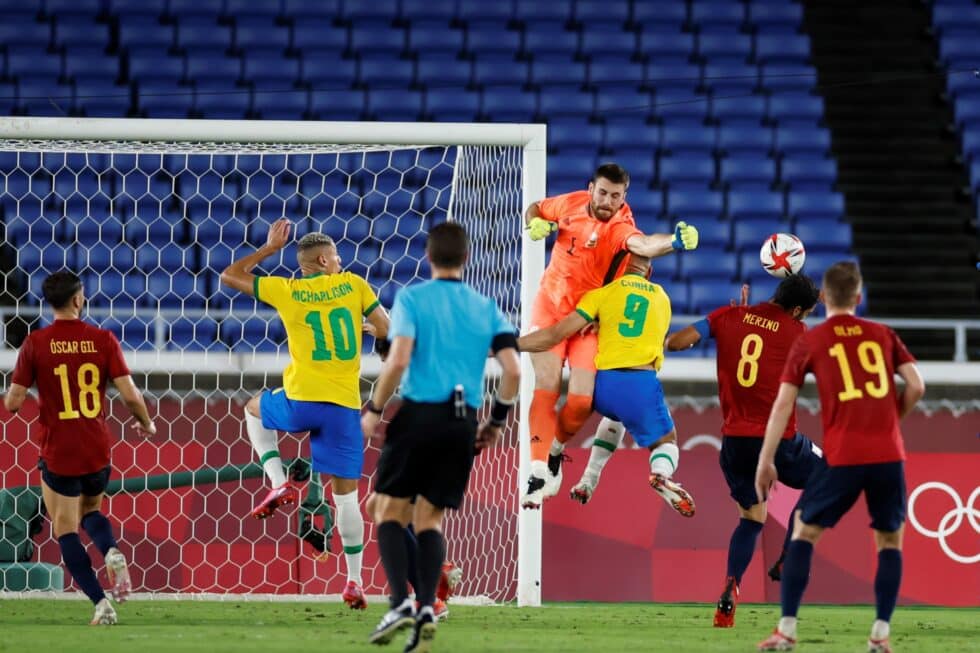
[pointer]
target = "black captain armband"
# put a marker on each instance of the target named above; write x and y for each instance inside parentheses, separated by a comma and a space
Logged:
(381, 347)
(504, 341)
(500, 410)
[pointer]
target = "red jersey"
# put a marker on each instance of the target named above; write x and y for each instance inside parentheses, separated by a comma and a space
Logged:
(71, 361)
(585, 248)
(753, 343)
(854, 362)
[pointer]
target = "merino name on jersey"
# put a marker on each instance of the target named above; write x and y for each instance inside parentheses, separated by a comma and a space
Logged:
(759, 321)
(73, 347)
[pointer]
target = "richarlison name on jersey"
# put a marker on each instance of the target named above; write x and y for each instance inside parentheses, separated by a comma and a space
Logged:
(759, 321)
(320, 296)
(73, 347)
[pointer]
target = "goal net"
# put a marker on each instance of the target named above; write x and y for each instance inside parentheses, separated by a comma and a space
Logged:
(148, 213)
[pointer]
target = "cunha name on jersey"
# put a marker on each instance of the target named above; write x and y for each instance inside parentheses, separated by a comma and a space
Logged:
(639, 285)
(73, 347)
(759, 321)
(320, 296)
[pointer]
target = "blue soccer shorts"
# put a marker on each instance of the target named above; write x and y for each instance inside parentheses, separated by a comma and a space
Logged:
(832, 491)
(336, 440)
(635, 398)
(796, 459)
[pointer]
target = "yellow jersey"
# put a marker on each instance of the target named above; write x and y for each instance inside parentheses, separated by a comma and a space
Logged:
(633, 316)
(322, 314)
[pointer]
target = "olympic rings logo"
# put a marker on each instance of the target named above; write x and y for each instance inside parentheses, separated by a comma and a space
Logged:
(951, 521)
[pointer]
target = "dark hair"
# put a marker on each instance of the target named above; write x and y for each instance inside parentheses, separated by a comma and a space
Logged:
(60, 287)
(797, 290)
(447, 245)
(842, 283)
(613, 172)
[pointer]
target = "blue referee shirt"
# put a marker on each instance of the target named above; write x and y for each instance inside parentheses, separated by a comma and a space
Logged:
(453, 327)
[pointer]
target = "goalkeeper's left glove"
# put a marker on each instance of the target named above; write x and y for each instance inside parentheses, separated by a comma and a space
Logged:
(685, 237)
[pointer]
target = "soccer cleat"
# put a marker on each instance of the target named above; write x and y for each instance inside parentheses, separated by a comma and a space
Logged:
(420, 639)
(536, 483)
(105, 615)
(582, 492)
(449, 579)
(552, 480)
(725, 610)
(283, 495)
(118, 572)
(354, 596)
(678, 498)
(440, 610)
(777, 642)
(879, 646)
(392, 622)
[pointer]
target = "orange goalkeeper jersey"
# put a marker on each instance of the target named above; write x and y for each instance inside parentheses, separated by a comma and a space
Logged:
(585, 249)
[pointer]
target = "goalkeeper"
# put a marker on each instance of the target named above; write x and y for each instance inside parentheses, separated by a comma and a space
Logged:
(595, 232)
(321, 312)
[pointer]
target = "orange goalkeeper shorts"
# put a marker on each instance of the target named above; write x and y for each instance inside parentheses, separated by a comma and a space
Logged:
(578, 350)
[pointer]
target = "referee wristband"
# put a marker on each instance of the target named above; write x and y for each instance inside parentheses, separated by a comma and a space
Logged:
(500, 410)
(371, 408)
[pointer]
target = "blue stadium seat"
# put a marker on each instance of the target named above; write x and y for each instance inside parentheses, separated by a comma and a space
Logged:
(179, 289)
(753, 204)
(328, 69)
(557, 12)
(824, 235)
(817, 262)
(708, 294)
(509, 104)
(656, 44)
(795, 77)
(795, 106)
(731, 45)
(960, 83)
(69, 31)
(966, 110)
(745, 137)
(589, 13)
(647, 205)
(337, 105)
(96, 228)
(268, 65)
(782, 47)
(257, 334)
(154, 8)
(682, 134)
(666, 72)
(805, 205)
(145, 31)
(688, 167)
(548, 38)
(731, 77)
(443, 69)
(778, 14)
(220, 99)
(383, 70)
(44, 96)
(479, 9)
(711, 262)
(210, 9)
(152, 64)
(101, 98)
(641, 165)
(8, 97)
(659, 16)
(394, 104)
(488, 36)
(681, 102)
(560, 101)
(56, 9)
(320, 34)
(196, 32)
(558, 69)
(236, 11)
(189, 334)
(411, 10)
(280, 101)
(133, 332)
(806, 171)
(375, 10)
(614, 102)
(956, 15)
(26, 62)
(90, 62)
(714, 233)
(615, 75)
(694, 202)
(745, 107)
(210, 63)
(435, 34)
(613, 42)
(452, 105)
(715, 14)
(164, 99)
(29, 33)
(302, 11)
(747, 167)
(574, 131)
(501, 69)
(377, 37)
(630, 130)
(794, 137)
(259, 33)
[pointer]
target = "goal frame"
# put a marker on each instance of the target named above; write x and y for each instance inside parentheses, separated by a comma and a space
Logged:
(531, 138)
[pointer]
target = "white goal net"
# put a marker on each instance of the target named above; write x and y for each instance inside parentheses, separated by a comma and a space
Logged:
(148, 213)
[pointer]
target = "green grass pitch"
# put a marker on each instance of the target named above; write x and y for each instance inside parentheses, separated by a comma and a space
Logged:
(243, 627)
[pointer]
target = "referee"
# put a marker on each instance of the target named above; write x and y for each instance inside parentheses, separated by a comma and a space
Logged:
(441, 331)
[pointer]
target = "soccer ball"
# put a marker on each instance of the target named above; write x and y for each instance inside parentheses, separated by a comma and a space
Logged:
(782, 255)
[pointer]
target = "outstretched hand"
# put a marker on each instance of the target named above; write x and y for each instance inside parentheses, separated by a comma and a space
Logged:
(743, 299)
(765, 478)
(278, 233)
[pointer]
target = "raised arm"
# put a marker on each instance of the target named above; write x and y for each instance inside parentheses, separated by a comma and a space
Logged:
(399, 355)
(14, 399)
(238, 274)
(379, 321)
(685, 237)
(683, 339)
(137, 407)
(538, 226)
(915, 388)
(545, 339)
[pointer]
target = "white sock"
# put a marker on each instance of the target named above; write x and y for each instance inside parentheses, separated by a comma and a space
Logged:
(608, 435)
(350, 525)
(787, 626)
(556, 447)
(266, 446)
(880, 629)
(664, 459)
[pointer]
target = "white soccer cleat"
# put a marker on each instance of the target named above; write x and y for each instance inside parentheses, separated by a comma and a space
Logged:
(582, 491)
(536, 482)
(676, 497)
(118, 572)
(105, 615)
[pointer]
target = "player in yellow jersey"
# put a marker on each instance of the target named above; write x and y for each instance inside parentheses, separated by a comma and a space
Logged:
(322, 312)
(633, 315)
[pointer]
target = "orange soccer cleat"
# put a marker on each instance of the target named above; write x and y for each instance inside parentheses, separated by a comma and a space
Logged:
(449, 580)
(777, 642)
(283, 495)
(353, 596)
(725, 610)
(678, 498)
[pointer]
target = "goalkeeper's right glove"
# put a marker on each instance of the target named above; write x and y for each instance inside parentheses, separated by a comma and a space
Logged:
(685, 237)
(539, 228)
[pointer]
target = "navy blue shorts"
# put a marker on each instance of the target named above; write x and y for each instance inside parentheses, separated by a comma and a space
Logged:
(796, 459)
(91, 485)
(832, 491)
(336, 439)
(635, 398)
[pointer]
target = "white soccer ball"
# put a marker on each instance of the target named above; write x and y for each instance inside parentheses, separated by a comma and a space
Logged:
(782, 255)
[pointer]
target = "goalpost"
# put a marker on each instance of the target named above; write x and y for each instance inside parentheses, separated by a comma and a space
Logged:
(148, 212)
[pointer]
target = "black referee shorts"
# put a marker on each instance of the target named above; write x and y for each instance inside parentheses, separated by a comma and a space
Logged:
(428, 452)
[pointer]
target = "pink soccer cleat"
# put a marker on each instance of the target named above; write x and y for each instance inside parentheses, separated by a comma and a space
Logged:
(777, 642)
(879, 646)
(283, 495)
(354, 596)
